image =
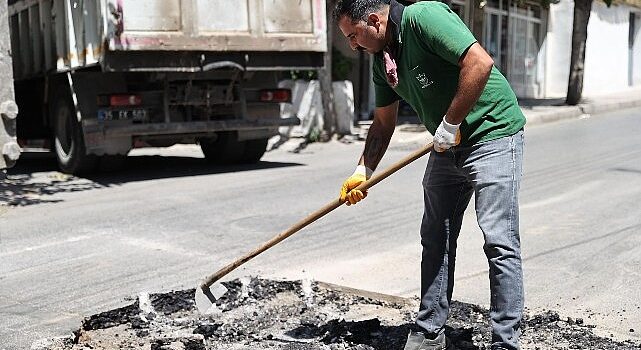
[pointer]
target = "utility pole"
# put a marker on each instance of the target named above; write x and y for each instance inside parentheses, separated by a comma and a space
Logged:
(325, 79)
(582, 10)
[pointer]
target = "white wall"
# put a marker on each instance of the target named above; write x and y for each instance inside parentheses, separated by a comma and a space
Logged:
(606, 58)
(606, 55)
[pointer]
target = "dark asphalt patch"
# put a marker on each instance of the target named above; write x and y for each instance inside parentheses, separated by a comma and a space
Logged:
(285, 315)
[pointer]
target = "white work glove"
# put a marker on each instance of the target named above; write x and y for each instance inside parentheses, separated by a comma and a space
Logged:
(446, 136)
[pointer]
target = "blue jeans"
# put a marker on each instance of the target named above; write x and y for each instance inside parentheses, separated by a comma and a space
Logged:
(492, 172)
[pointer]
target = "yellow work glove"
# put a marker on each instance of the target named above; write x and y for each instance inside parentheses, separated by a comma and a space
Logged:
(350, 197)
(447, 135)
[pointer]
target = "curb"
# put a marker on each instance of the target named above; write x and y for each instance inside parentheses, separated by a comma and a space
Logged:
(556, 113)
(534, 115)
(591, 108)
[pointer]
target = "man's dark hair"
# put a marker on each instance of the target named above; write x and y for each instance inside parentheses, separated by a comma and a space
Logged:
(357, 9)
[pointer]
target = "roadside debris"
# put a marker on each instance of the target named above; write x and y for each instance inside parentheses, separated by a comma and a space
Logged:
(291, 315)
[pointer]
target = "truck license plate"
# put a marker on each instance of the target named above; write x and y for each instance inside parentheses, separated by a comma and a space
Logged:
(122, 114)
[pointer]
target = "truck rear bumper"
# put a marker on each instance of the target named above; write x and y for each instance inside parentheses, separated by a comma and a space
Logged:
(202, 61)
(187, 127)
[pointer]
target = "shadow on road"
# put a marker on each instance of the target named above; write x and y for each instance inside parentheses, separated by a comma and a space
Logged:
(36, 177)
(627, 170)
(142, 168)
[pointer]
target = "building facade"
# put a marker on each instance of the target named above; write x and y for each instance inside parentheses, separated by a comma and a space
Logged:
(613, 49)
(531, 46)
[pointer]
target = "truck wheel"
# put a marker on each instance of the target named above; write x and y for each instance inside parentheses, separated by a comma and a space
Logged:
(254, 150)
(69, 142)
(224, 149)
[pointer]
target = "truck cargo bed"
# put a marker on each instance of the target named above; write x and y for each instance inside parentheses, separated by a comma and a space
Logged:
(60, 35)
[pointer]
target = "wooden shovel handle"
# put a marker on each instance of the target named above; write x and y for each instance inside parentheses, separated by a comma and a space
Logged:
(314, 216)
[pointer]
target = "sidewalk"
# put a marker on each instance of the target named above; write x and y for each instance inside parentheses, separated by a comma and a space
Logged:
(543, 111)
(537, 111)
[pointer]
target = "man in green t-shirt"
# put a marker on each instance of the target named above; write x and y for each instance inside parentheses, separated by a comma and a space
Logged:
(424, 54)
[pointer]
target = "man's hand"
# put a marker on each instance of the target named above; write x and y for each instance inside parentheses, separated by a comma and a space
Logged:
(446, 136)
(348, 194)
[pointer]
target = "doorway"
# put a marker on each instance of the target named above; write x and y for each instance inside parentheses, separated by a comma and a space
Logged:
(525, 25)
(512, 36)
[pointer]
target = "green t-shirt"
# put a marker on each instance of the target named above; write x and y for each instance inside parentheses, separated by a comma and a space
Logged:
(432, 38)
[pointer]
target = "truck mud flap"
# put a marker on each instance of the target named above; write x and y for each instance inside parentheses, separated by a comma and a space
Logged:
(9, 148)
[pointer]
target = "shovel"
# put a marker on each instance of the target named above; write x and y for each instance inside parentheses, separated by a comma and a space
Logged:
(209, 291)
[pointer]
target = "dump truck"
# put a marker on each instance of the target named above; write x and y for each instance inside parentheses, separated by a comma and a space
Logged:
(99, 78)
(8, 107)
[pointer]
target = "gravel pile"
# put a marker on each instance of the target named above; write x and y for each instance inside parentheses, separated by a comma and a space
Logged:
(290, 315)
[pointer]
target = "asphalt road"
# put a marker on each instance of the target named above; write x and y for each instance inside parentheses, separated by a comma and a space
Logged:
(72, 247)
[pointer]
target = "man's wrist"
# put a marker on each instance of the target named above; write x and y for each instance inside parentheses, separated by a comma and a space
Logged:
(451, 120)
(450, 127)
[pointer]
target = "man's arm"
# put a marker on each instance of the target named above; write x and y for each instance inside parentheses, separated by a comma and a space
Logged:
(476, 66)
(378, 138)
(379, 135)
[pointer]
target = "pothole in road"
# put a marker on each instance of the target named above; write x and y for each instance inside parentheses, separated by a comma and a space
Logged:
(288, 315)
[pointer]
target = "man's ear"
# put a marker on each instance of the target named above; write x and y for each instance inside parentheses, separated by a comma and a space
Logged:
(374, 19)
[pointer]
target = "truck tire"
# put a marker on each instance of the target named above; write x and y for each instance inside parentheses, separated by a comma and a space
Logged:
(224, 149)
(69, 141)
(254, 150)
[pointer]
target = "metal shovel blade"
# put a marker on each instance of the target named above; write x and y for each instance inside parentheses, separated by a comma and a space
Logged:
(206, 297)
(207, 292)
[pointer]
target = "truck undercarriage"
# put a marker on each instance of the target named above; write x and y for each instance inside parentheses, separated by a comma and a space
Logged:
(105, 77)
